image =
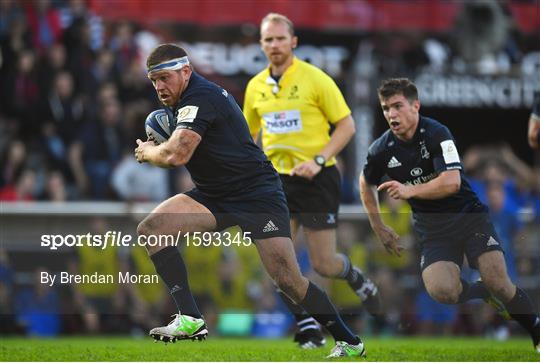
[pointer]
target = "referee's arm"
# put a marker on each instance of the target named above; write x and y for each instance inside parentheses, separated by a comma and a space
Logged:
(341, 136)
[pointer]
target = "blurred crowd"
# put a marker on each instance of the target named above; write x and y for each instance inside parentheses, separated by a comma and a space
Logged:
(73, 98)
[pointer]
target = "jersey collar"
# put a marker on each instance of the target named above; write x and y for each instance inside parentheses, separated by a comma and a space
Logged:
(288, 71)
(416, 135)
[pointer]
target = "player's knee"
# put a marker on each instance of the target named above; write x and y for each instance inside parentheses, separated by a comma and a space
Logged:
(143, 228)
(444, 294)
(146, 228)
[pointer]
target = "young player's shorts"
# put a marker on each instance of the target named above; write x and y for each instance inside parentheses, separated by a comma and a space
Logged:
(262, 215)
(314, 203)
(473, 234)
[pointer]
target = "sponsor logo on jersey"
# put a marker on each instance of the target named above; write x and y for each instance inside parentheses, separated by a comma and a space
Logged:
(449, 152)
(393, 163)
(423, 150)
(416, 172)
(422, 179)
(294, 93)
(283, 122)
(187, 114)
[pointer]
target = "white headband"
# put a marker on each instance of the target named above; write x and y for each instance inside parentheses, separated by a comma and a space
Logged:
(171, 65)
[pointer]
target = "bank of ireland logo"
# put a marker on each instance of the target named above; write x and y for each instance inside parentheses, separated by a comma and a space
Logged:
(416, 172)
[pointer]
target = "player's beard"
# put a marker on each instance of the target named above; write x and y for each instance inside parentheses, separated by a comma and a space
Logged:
(279, 59)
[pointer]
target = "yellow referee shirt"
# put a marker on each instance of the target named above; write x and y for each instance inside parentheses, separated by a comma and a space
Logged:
(295, 114)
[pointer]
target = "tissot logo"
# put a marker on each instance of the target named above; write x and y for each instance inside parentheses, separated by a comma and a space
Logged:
(416, 172)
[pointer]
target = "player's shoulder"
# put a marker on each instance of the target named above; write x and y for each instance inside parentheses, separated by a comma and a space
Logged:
(310, 70)
(259, 78)
(202, 90)
(199, 84)
(432, 126)
(381, 144)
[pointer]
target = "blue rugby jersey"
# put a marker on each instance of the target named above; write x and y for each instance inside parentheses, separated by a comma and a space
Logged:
(431, 151)
(226, 163)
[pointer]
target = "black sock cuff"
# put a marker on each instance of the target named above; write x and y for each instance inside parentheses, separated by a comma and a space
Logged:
(347, 266)
(160, 257)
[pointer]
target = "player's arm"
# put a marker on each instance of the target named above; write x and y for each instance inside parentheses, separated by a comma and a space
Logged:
(174, 152)
(444, 185)
(385, 234)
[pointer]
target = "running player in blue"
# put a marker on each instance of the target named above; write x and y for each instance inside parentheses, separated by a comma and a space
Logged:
(417, 160)
(235, 185)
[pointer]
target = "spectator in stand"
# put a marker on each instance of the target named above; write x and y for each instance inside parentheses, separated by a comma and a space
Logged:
(37, 308)
(134, 83)
(7, 321)
(98, 150)
(499, 164)
(22, 95)
(44, 21)
(55, 188)
(22, 190)
(65, 108)
(135, 182)
(76, 10)
(123, 45)
(98, 303)
(10, 12)
(81, 56)
(54, 63)
(13, 42)
(103, 71)
(13, 162)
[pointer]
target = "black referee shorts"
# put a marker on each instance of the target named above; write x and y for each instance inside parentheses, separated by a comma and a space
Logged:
(314, 203)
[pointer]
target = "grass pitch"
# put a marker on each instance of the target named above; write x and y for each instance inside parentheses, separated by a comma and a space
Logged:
(246, 349)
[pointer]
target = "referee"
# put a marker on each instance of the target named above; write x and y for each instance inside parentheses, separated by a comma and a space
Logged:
(294, 104)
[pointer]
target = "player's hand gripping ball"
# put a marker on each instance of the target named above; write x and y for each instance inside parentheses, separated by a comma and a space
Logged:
(157, 125)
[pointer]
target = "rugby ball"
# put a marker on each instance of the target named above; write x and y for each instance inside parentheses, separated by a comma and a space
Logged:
(157, 125)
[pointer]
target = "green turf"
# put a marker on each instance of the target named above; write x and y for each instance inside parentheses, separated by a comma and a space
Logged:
(219, 349)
